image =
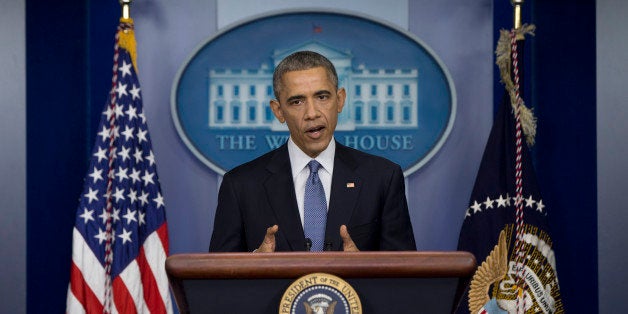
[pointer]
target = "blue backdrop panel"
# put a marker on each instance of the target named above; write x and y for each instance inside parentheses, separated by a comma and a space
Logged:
(564, 93)
(68, 44)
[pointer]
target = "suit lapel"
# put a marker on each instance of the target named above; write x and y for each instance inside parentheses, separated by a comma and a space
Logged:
(345, 188)
(280, 192)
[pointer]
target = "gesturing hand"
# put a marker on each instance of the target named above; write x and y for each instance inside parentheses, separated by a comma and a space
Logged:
(347, 243)
(268, 245)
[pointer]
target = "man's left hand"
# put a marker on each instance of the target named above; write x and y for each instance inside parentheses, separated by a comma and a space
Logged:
(347, 243)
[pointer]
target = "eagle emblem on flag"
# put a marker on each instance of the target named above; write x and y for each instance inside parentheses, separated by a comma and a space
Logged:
(493, 284)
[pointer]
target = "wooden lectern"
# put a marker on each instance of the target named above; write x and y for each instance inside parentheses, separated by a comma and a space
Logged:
(387, 282)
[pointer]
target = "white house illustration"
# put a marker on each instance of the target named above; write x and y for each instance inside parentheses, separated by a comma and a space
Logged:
(376, 98)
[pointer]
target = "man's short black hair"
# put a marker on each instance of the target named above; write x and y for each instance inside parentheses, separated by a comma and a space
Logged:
(299, 61)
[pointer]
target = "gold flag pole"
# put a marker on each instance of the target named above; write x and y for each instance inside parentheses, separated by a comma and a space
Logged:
(126, 9)
(126, 34)
(517, 13)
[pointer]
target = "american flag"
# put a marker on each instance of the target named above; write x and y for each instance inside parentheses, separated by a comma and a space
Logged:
(120, 238)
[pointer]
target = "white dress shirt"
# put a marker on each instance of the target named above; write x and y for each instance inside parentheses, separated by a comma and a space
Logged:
(300, 170)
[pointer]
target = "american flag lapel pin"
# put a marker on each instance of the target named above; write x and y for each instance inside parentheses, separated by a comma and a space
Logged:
(350, 185)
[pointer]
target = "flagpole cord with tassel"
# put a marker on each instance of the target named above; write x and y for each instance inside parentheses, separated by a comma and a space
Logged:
(525, 122)
(520, 257)
(504, 63)
(126, 39)
(110, 175)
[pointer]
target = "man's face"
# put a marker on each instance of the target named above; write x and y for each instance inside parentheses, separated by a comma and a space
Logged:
(309, 103)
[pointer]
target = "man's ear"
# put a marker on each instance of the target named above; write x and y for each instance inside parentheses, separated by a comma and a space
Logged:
(276, 107)
(342, 96)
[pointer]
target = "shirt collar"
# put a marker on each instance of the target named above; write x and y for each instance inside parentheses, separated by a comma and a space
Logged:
(299, 159)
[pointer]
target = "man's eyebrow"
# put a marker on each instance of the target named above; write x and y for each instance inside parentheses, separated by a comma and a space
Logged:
(322, 92)
(295, 97)
(299, 97)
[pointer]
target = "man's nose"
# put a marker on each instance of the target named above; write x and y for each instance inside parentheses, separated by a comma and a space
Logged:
(311, 111)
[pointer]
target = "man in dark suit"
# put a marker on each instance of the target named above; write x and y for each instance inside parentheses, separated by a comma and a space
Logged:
(263, 205)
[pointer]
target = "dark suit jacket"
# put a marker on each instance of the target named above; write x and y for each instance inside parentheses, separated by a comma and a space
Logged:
(260, 193)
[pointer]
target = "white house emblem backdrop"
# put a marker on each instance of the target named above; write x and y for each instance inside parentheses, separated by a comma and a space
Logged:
(400, 104)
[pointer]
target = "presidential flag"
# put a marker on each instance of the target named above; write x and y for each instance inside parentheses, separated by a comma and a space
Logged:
(120, 237)
(506, 222)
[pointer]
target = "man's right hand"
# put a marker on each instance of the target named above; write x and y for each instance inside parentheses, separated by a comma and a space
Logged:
(268, 245)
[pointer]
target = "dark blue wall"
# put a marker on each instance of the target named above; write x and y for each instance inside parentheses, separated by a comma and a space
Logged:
(69, 51)
(564, 93)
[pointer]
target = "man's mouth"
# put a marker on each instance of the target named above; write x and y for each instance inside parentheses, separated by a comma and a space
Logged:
(315, 131)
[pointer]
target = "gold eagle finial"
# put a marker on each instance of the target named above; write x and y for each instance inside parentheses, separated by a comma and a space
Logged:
(492, 270)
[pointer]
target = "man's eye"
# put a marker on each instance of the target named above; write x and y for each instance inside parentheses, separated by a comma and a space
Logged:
(323, 97)
(296, 102)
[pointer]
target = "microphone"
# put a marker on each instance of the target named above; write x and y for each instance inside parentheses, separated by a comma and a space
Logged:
(328, 246)
(308, 244)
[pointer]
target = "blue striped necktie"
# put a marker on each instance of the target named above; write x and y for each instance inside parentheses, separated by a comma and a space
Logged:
(314, 208)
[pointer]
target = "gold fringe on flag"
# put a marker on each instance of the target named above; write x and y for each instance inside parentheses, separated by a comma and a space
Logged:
(504, 62)
(127, 40)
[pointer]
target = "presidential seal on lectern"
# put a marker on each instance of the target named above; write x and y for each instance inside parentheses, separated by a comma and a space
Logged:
(320, 293)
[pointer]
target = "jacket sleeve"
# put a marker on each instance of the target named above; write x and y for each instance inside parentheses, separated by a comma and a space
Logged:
(396, 227)
(228, 234)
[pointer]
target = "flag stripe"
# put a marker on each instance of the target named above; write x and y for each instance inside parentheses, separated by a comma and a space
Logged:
(89, 268)
(83, 293)
(162, 232)
(153, 259)
(151, 295)
(122, 297)
(157, 259)
(73, 304)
